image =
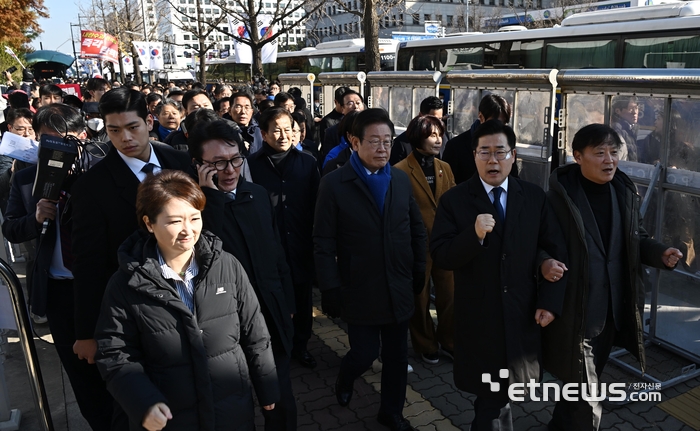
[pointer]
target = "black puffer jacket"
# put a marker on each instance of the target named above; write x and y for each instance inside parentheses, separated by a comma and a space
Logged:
(152, 349)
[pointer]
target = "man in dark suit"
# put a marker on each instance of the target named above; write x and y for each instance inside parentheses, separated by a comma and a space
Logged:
(104, 204)
(458, 151)
(499, 236)
(240, 213)
(597, 206)
(51, 287)
(370, 257)
(291, 179)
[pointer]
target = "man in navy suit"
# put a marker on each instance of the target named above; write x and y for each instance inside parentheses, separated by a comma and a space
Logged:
(104, 204)
(51, 286)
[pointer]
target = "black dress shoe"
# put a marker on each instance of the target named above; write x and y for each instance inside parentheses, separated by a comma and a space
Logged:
(305, 359)
(395, 422)
(343, 391)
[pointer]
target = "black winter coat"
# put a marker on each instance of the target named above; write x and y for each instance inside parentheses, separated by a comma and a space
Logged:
(498, 285)
(370, 257)
(248, 231)
(292, 188)
(152, 349)
(563, 338)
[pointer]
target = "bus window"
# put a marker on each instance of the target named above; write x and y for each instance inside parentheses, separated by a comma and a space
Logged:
(351, 62)
(296, 65)
(425, 60)
(315, 65)
(386, 61)
(403, 61)
(581, 55)
(362, 65)
(663, 52)
(582, 110)
(463, 58)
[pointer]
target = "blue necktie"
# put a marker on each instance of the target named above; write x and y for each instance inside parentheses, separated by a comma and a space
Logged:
(148, 168)
(497, 203)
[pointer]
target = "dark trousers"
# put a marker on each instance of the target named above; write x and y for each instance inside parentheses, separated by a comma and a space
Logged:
(364, 349)
(284, 416)
(95, 403)
(492, 415)
(585, 415)
(303, 319)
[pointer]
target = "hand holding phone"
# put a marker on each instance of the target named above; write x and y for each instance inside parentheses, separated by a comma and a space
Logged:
(207, 176)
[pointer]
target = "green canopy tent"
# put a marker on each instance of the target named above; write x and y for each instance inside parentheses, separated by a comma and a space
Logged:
(48, 64)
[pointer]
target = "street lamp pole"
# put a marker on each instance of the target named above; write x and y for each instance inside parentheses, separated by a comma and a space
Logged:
(75, 55)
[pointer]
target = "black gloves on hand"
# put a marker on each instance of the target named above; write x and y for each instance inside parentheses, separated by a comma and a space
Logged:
(418, 282)
(331, 302)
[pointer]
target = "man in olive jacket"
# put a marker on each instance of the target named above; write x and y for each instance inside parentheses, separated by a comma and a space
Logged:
(370, 257)
(598, 209)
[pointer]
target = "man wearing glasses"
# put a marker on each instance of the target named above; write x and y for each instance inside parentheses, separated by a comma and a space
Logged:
(369, 247)
(504, 244)
(242, 113)
(352, 101)
(240, 213)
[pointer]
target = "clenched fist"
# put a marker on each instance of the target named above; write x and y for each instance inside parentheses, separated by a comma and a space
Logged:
(484, 224)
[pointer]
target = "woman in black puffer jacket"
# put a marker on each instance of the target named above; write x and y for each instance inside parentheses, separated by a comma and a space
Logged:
(180, 335)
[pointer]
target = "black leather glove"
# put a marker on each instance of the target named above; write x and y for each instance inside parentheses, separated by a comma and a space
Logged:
(418, 282)
(331, 302)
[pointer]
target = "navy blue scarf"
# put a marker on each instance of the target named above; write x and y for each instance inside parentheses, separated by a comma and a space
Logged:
(377, 183)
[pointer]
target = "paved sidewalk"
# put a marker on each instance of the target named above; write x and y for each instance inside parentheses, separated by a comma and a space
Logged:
(433, 403)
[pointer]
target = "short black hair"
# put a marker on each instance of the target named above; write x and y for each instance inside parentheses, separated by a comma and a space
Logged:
(281, 98)
(18, 99)
(242, 94)
(339, 93)
(594, 135)
(421, 127)
(176, 93)
(299, 118)
(152, 97)
(73, 100)
(264, 105)
(59, 117)
(191, 94)
(270, 115)
(97, 84)
(295, 91)
(204, 131)
(493, 127)
(369, 117)
(623, 102)
(124, 99)
(430, 104)
(221, 87)
(199, 115)
(217, 103)
(198, 86)
(50, 90)
(345, 125)
(16, 113)
(493, 106)
(350, 92)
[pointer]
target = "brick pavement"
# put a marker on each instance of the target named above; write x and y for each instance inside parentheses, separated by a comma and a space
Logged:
(433, 403)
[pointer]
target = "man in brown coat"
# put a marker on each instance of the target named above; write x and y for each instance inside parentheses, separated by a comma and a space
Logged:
(430, 178)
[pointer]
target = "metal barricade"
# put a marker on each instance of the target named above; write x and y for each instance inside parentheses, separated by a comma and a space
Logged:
(654, 112)
(303, 81)
(330, 81)
(27, 342)
(532, 95)
(401, 93)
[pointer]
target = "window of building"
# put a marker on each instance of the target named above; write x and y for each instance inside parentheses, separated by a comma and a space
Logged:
(227, 38)
(192, 10)
(186, 37)
(438, 17)
(292, 40)
(207, 11)
(416, 18)
(217, 12)
(426, 17)
(195, 46)
(207, 1)
(227, 46)
(450, 20)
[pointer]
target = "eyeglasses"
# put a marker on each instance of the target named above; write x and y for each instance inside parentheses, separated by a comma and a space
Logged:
(376, 144)
(221, 165)
(500, 155)
(239, 108)
(352, 103)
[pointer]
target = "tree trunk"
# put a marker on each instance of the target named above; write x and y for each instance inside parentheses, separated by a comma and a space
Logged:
(202, 62)
(257, 61)
(371, 28)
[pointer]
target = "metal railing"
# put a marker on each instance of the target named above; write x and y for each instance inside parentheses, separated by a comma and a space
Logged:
(24, 330)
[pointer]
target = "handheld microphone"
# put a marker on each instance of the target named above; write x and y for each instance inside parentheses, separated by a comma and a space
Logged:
(45, 226)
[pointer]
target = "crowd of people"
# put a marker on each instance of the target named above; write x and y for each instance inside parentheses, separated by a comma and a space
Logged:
(176, 274)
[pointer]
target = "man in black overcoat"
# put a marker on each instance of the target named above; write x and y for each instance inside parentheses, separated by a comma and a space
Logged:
(503, 243)
(104, 204)
(369, 246)
(240, 214)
